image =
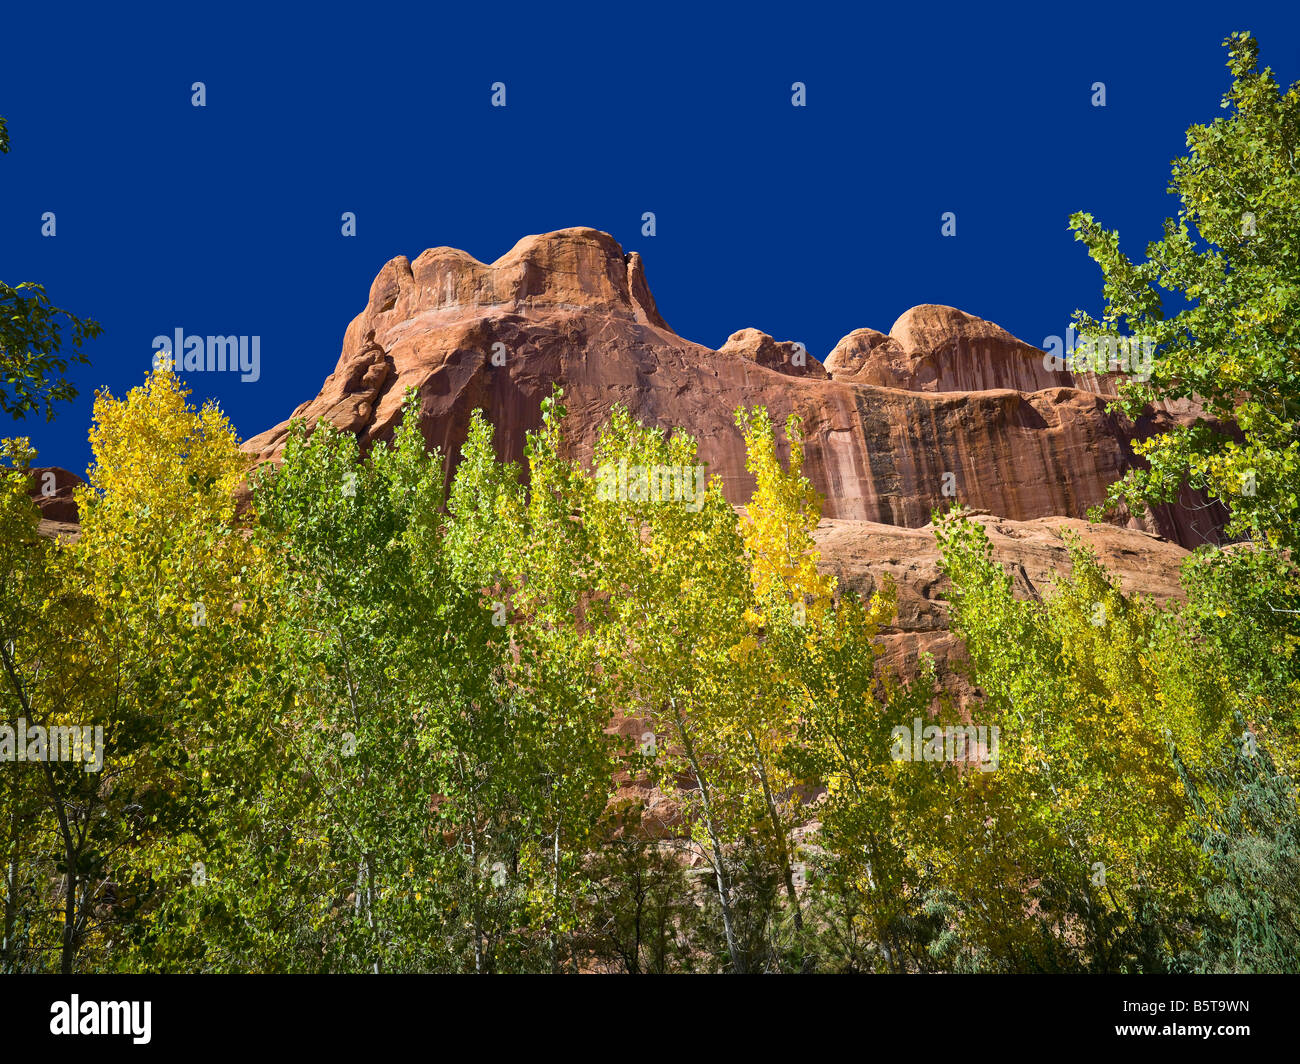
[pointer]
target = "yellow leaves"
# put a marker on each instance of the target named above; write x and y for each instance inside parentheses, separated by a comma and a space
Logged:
(883, 605)
(160, 459)
(742, 651)
(780, 518)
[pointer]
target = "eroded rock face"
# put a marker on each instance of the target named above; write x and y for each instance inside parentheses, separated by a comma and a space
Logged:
(785, 356)
(866, 356)
(945, 407)
(51, 489)
(861, 553)
(933, 348)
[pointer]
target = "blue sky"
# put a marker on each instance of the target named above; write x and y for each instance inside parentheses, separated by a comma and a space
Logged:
(804, 222)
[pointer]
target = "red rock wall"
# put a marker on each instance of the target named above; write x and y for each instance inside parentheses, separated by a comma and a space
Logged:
(885, 418)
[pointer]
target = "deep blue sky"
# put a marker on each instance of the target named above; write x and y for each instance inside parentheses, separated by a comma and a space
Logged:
(803, 222)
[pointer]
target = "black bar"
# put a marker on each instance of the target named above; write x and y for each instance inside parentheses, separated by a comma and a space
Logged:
(610, 1015)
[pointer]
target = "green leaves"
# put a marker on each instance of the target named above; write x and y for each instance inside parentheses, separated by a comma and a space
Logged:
(384, 728)
(1231, 261)
(33, 364)
(1113, 715)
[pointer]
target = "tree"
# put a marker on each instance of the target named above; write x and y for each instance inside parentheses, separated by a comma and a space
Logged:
(1243, 602)
(531, 555)
(640, 915)
(179, 597)
(822, 714)
(50, 680)
(101, 636)
(791, 597)
(443, 707)
(1252, 840)
(1231, 265)
(371, 648)
(1085, 818)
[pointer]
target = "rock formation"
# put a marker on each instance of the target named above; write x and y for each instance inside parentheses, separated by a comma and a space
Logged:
(934, 348)
(945, 406)
(51, 489)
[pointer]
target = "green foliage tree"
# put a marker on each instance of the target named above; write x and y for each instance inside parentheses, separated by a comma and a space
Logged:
(1251, 886)
(1243, 602)
(1086, 818)
(371, 648)
(1046, 810)
(531, 555)
(1230, 264)
(441, 708)
(673, 572)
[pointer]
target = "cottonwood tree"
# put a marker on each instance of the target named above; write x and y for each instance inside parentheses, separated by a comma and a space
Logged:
(792, 598)
(674, 573)
(1230, 265)
(52, 812)
(1085, 818)
(102, 636)
(180, 597)
(371, 647)
(531, 553)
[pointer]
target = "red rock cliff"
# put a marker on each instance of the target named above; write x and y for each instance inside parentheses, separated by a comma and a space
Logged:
(887, 417)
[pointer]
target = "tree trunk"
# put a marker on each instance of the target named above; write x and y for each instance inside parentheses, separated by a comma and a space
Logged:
(370, 909)
(719, 864)
(555, 900)
(69, 911)
(778, 833)
(474, 900)
(10, 949)
(69, 946)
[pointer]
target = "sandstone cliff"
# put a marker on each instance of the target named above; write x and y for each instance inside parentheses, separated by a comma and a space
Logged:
(886, 417)
(945, 406)
(51, 489)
